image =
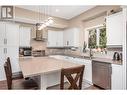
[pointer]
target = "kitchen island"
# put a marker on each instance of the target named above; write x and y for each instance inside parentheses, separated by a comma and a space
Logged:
(46, 69)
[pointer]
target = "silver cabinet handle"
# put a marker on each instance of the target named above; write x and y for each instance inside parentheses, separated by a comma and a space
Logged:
(5, 50)
(5, 41)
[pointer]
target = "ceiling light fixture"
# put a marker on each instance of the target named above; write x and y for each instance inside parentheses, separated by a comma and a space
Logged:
(48, 21)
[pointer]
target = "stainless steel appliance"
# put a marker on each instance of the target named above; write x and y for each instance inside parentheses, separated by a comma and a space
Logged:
(117, 56)
(101, 74)
(38, 53)
(25, 51)
(41, 35)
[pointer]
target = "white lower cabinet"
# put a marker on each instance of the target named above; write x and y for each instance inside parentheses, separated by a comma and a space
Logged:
(117, 77)
(13, 53)
(2, 60)
(88, 69)
(88, 65)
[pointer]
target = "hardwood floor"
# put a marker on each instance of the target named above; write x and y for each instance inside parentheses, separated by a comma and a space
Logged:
(3, 86)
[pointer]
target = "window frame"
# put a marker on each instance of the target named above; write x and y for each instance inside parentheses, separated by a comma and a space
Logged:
(97, 27)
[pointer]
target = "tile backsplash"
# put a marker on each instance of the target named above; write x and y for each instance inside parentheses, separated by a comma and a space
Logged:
(109, 53)
(39, 45)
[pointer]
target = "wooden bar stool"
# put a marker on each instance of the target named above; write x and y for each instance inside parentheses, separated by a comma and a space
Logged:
(14, 76)
(22, 84)
(74, 81)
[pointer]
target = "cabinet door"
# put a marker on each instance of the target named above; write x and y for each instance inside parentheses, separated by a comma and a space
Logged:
(88, 71)
(76, 37)
(114, 27)
(60, 39)
(2, 61)
(12, 34)
(71, 37)
(117, 77)
(13, 52)
(24, 36)
(68, 38)
(52, 37)
(2, 33)
(65, 38)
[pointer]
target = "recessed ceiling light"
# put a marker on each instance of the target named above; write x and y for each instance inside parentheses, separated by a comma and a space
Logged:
(57, 10)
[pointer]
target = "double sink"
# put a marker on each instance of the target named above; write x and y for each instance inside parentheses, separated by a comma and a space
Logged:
(64, 57)
(70, 58)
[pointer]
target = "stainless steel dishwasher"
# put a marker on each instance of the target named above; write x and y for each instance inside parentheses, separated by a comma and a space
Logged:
(101, 74)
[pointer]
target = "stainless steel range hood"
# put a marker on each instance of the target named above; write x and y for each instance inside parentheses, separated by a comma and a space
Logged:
(41, 35)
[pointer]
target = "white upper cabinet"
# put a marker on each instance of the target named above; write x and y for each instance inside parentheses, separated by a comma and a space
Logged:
(51, 39)
(24, 36)
(55, 39)
(9, 33)
(60, 39)
(71, 37)
(115, 26)
(66, 38)
(12, 34)
(2, 33)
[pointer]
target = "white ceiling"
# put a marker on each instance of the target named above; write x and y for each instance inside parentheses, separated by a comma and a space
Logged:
(66, 12)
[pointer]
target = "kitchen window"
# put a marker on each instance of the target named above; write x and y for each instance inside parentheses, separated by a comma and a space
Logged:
(97, 37)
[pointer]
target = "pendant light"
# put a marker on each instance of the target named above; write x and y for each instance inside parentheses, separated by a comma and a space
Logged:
(47, 20)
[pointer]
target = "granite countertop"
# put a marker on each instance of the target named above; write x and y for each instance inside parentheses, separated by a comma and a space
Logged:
(38, 65)
(105, 60)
